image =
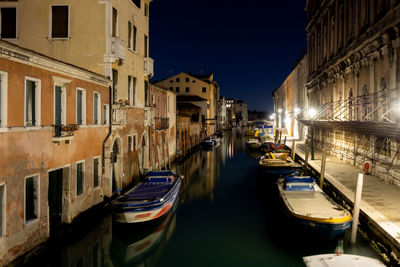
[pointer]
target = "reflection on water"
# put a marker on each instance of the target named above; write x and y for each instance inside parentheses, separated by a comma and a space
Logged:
(228, 216)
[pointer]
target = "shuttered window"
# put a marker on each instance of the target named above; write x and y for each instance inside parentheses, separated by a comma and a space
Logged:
(79, 179)
(30, 102)
(9, 22)
(79, 106)
(59, 21)
(96, 106)
(114, 22)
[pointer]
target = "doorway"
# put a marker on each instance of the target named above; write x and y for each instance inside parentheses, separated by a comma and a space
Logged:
(55, 198)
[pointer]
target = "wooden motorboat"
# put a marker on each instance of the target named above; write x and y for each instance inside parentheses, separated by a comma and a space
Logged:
(309, 207)
(253, 143)
(278, 164)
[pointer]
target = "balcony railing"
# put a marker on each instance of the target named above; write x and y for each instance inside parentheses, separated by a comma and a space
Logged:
(118, 47)
(148, 66)
(161, 123)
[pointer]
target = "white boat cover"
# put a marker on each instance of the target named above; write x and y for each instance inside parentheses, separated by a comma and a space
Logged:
(341, 260)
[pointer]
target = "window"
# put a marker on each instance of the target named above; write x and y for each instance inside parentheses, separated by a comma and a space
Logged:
(130, 141)
(132, 32)
(187, 89)
(96, 108)
(146, 46)
(114, 22)
(79, 178)
(136, 2)
(3, 208)
(106, 114)
(31, 198)
(3, 99)
(177, 80)
(134, 142)
(32, 102)
(146, 93)
(131, 90)
(171, 81)
(168, 104)
(194, 81)
(171, 88)
(146, 10)
(96, 166)
(187, 80)
(80, 106)
(8, 22)
(59, 21)
(177, 89)
(204, 89)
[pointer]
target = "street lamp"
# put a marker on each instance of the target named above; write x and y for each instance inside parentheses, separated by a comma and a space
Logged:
(312, 112)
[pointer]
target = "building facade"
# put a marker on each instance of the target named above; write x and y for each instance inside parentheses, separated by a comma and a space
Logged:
(291, 101)
(237, 112)
(203, 86)
(221, 114)
(54, 120)
(110, 38)
(353, 81)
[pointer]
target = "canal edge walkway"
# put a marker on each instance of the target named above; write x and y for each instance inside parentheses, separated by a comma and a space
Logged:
(380, 201)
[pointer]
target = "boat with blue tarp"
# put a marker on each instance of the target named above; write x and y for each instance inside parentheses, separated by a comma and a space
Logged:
(148, 200)
(311, 208)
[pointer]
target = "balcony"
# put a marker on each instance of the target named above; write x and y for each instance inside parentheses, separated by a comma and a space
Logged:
(64, 132)
(118, 47)
(148, 66)
(161, 123)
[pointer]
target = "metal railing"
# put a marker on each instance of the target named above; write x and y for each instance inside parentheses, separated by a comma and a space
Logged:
(161, 123)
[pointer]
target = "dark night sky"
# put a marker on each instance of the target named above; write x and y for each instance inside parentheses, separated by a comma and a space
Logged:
(250, 46)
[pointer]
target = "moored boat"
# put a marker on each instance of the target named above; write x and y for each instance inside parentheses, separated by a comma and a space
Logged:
(341, 260)
(311, 208)
(148, 200)
(253, 143)
(278, 164)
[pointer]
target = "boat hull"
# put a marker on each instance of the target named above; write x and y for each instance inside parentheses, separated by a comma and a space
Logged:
(136, 213)
(279, 171)
(323, 230)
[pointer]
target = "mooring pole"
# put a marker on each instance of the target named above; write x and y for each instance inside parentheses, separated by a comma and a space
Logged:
(294, 150)
(356, 211)
(322, 175)
(284, 141)
(306, 162)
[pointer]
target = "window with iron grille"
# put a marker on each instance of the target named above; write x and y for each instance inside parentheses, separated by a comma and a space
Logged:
(59, 21)
(79, 178)
(8, 22)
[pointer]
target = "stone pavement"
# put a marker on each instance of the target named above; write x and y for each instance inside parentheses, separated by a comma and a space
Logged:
(380, 201)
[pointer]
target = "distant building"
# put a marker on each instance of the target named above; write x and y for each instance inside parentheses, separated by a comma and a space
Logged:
(291, 102)
(257, 115)
(237, 112)
(221, 114)
(203, 86)
(54, 118)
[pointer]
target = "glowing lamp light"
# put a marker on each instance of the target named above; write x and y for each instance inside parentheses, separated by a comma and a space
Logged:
(312, 112)
(296, 111)
(279, 110)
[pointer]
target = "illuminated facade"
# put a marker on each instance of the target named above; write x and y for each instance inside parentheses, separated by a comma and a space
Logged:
(353, 81)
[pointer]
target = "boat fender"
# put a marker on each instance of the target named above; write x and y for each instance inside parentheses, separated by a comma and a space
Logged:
(367, 168)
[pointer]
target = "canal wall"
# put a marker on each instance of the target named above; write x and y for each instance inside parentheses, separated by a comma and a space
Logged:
(382, 234)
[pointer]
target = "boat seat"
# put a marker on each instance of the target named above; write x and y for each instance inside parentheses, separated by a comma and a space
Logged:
(153, 180)
(299, 187)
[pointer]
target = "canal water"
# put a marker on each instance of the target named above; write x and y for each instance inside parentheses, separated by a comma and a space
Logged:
(228, 215)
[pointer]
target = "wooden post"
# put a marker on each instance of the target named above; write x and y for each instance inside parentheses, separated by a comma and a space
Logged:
(294, 150)
(356, 210)
(322, 174)
(284, 141)
(306, 162)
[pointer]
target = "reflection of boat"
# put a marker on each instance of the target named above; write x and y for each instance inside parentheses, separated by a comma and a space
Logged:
(208, 144)
(278, 164)
(148, 200)
(311, 208)
(340, 260)
(253, 143)
(135, 243)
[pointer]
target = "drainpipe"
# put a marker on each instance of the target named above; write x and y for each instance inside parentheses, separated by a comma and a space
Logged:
(110, 128)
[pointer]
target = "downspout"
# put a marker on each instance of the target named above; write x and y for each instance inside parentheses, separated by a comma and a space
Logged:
(110, 128)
